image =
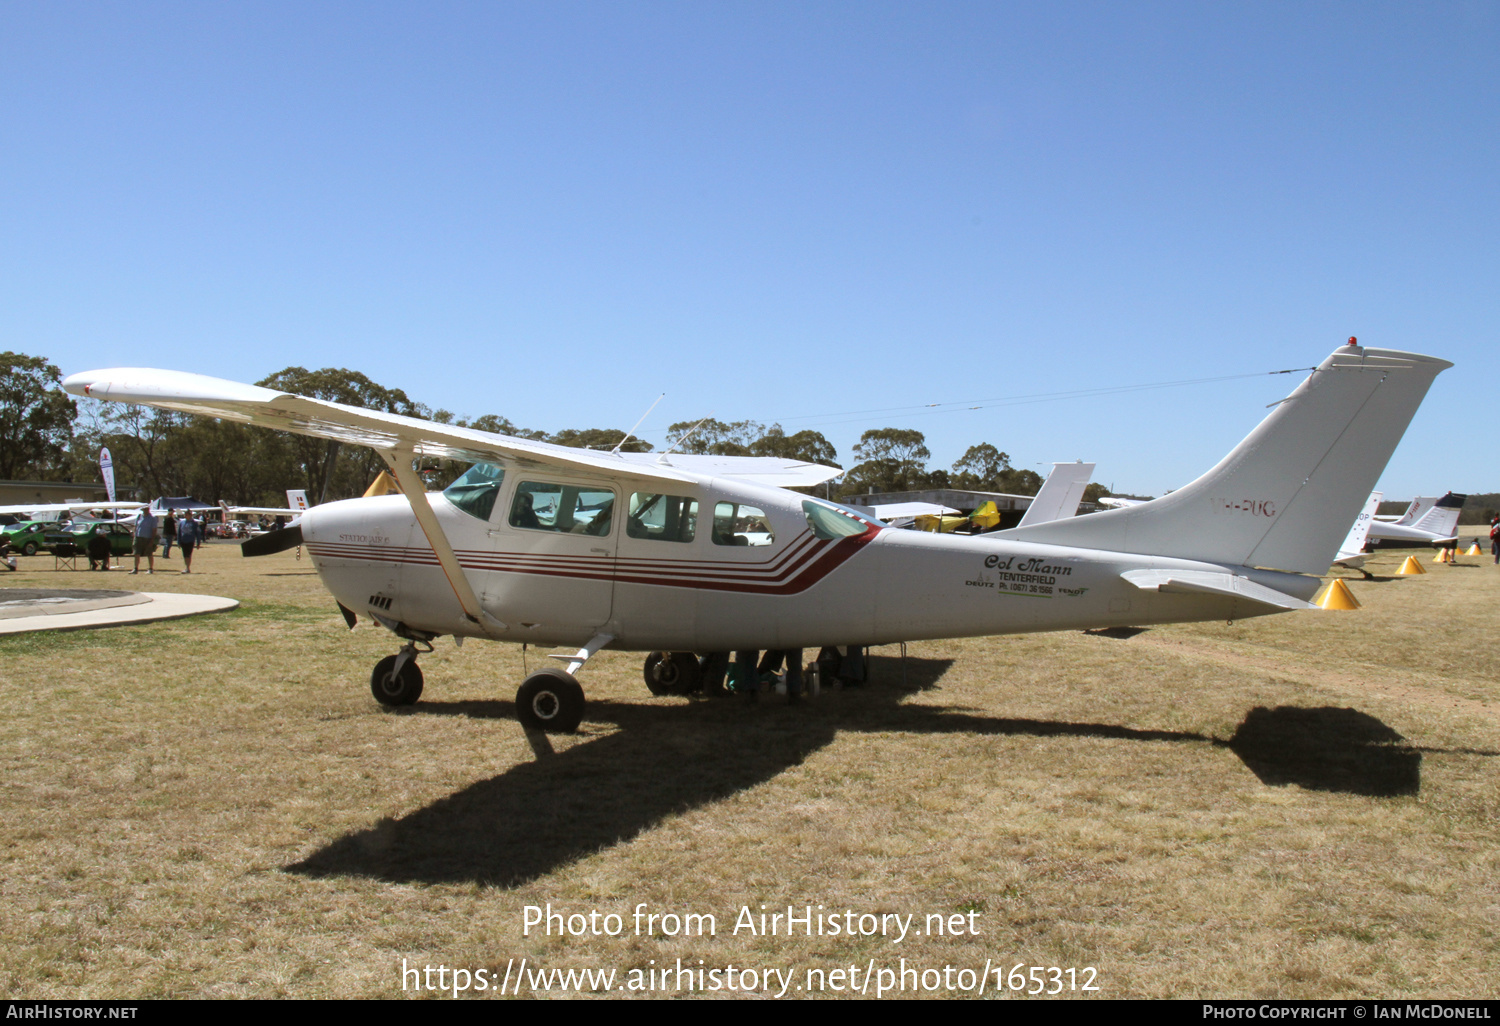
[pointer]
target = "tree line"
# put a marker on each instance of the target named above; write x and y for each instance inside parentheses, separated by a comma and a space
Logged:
(47, 435)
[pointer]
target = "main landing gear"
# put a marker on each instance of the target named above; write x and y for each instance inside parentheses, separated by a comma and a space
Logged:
(673, 673)
(549, 700)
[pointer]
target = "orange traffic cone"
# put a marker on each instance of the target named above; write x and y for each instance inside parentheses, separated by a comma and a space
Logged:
(1336, 595)
(1411, 566)
(1441, 557)
(1473, 550)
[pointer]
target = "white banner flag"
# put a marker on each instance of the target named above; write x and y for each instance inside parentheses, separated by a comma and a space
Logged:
(107, 469)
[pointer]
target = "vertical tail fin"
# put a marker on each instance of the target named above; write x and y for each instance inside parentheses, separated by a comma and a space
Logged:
(1285, 497)
(1060, 494)
(1351, 551)
(1442, 517)
(1419, 506)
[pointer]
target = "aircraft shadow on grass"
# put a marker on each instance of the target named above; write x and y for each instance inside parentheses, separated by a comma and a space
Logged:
(536, 817)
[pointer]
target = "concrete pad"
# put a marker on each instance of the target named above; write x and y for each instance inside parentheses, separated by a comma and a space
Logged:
(72, 609)
(48, 601)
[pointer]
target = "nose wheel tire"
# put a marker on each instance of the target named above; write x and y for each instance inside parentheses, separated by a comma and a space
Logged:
(391, 688)
(673, 673)
(551, 701)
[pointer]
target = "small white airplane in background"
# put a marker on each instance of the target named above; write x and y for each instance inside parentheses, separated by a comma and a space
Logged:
(1426, 520)
(675, 554)
(904, 514)
(1058, 497)
(1060, 494)
(296, 505)
(58, 508)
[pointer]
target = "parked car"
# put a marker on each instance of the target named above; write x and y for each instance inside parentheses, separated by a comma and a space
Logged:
(233, 529)
(121, 537)
(26, 537)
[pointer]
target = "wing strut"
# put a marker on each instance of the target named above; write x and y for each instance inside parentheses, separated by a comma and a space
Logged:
(400, 460)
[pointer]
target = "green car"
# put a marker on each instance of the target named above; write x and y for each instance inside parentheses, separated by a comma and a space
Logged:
(26, 537)
(121, 537)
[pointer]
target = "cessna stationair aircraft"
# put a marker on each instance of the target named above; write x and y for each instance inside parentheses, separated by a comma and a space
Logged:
(679, 554)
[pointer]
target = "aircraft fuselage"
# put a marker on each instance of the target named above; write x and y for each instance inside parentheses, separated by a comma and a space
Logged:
(723, 589)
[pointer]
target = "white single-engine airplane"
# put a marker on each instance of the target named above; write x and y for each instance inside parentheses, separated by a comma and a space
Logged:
(57, 508)
(676, 554)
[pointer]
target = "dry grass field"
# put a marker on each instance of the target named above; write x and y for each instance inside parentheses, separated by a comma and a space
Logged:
(1304, 805)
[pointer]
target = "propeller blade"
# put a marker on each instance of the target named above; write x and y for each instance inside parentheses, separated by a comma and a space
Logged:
(272, 542)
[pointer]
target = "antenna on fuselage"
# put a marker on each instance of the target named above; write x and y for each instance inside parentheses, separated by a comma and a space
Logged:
(683, 438)
(631, 433)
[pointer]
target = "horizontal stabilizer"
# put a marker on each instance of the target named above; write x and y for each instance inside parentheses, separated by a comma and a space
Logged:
(1207, 582)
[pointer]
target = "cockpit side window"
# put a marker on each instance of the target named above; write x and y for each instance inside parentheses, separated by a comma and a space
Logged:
(475, 492)
(737, 524)
(566, 509)
(662, 517)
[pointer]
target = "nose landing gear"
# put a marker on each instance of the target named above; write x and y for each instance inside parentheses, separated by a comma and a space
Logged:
(397, 679)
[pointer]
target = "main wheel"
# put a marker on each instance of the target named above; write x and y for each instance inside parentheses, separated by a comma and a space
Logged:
(673, 673)
(550, 700)
(389, 689)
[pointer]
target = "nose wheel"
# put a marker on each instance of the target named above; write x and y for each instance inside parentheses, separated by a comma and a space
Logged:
(397, 679)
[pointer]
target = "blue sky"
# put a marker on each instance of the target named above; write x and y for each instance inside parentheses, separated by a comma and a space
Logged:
(782, 212)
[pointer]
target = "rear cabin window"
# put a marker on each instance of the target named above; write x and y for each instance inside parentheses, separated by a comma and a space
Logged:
(737, 524)
(662, 517)
(565, 509)
(475, 492)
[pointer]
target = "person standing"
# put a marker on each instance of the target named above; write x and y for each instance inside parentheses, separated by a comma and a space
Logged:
(168, 535)
(188, 536)
(145, 541)
(1495, 538)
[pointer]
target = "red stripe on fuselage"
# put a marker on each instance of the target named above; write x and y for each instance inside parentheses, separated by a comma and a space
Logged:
(804, 563)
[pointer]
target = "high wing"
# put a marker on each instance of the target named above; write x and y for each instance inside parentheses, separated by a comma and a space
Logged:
(265, 511)
(388, 432)
(770, 471)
